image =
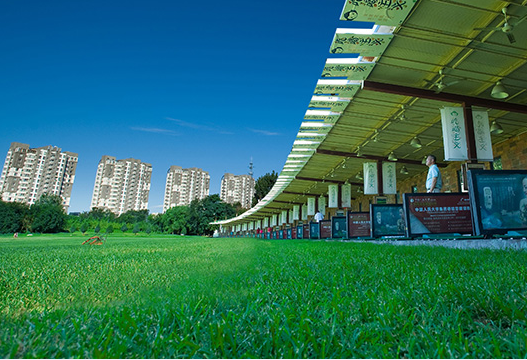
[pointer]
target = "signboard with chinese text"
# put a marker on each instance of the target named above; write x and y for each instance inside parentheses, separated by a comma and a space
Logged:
(305, 231)
(343, 90)
(380, 12)
(325, 229)
(333, 196)
(304, 212)
(322, 205)
(482, 136)
(363, 44)
(370, 178)
(454, 138)
(389, 174)
(296, 212)
(499, 200)
(359, 224)
(311, 206)
(359, 71)
(346, 195)
(437, 213)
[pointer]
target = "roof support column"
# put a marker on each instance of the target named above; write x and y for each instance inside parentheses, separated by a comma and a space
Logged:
(379, 178)
(469, 133)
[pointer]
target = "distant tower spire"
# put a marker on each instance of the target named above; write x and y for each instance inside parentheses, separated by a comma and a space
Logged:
(251, 167)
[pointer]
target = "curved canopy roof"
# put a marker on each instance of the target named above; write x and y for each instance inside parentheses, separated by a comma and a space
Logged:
(431, 54)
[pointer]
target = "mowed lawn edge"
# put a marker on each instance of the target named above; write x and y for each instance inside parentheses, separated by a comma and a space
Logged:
(167, 296)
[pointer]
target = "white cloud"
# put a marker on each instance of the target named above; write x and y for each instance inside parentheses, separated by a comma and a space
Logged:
(265, 132)
(156, 130)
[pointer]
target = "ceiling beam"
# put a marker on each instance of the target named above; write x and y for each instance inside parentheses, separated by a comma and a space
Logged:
(319, 180)
(443, 96)
(371, 157)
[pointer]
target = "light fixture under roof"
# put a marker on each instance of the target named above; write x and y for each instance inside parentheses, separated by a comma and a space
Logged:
(404, 170)
(392, 156)
(359, 176)
(499, 91)
(495, 128)
(424, 160)
(416, 143)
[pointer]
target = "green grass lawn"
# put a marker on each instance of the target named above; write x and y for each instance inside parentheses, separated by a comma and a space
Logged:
(167, 296)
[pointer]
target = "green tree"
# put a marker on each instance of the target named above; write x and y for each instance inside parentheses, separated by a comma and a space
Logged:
(203, 212)
(73, 229)
(97, 228)
(124, 228)
(83, 228)
(48, 214)
(176, 219)
(263, 185)
(13, 217)
(133, 216)
(109, 229)
(136, 228)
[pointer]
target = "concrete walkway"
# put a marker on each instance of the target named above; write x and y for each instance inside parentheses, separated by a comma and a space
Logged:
(496, 244)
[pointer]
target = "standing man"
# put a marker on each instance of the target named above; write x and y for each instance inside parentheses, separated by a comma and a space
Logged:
(433, 180)
(319, 216)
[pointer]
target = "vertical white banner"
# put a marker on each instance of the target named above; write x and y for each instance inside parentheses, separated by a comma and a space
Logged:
(482, 135)
(251, 225)
(346, 195)
(259, 224)
(454, 139)
(304, 212)
(284, 216)
(274, 219)
(333, 196)
(244, 227)
(311, 206)
(371, 186)
(389, 182)
(296, 212)
(238, 227)
(290, 216)
(266, 222)
(322, 205)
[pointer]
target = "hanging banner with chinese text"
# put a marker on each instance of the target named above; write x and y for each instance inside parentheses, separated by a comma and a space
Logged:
(274, 219)
(304, 212)
(322, 204)
(389, 183)
(296, 212)
(370, 178)
(380, 12)
(333, 196)
(284, 217)
(363, 44)
(346, 195)
(266, 222)
(482, 135)
(311, 206)
(454, 139)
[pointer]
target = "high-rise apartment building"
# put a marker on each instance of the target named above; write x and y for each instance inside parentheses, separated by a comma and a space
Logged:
(121, 185)
(237, 188)
(185, 185)
(29, 173)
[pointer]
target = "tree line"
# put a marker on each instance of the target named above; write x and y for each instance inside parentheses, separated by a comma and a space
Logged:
(47, 215)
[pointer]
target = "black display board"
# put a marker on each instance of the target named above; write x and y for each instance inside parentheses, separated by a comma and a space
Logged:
(387, 220)
(314, 230)
(437, 213)
(339, 227)
(499, 200)
(300, 232)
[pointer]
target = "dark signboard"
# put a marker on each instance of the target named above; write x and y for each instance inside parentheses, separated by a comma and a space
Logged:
(294, 232)
(306, 231)
(359, 224)
(300, 232)
(499, 200)
(437, 213)
(339, 227)
(387, 220)
(325, 229)
(314, 230)
(289, 233)
(281, 234)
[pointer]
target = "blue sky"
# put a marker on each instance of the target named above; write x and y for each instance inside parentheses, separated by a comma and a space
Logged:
(205, 84)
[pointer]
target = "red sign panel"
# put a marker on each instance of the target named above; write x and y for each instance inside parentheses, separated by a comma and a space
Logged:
(325, 229)
(438, 213)
(293, 232)
(306, 231)
(359, 224)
